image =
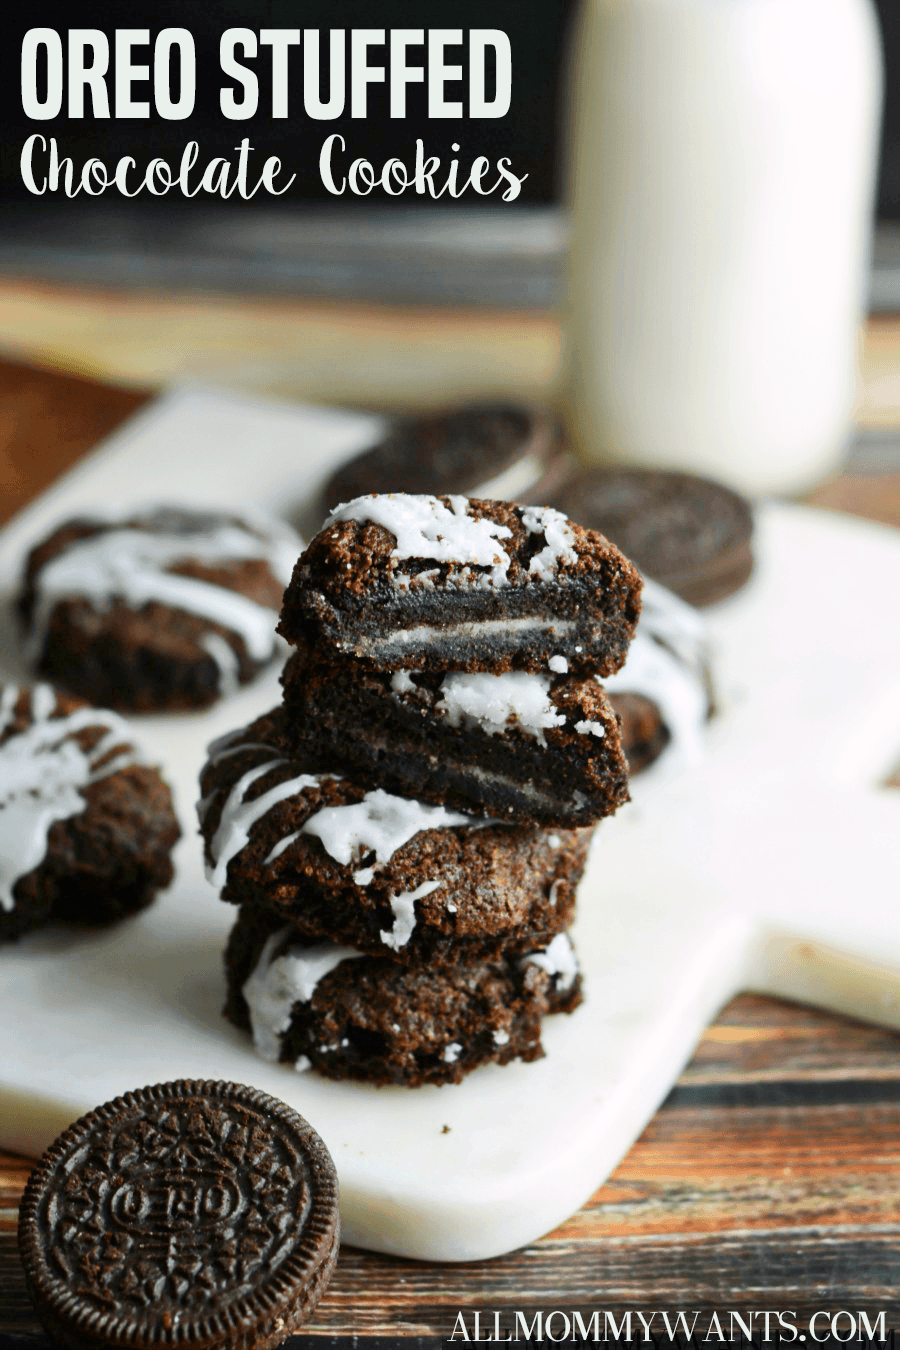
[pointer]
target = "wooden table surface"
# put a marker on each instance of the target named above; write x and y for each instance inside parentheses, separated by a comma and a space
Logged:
(770, 1178)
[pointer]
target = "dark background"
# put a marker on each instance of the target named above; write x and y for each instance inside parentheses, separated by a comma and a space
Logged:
(528, 134)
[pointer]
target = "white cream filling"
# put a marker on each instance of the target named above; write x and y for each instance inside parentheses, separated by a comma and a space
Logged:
(423, 633)
(491, 702)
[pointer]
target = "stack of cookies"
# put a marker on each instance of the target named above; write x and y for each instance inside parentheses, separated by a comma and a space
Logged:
(404, 836)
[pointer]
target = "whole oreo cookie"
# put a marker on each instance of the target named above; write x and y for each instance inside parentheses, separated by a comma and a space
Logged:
(491, 450)
(189, 1214)
(690, 533)
(165, 610)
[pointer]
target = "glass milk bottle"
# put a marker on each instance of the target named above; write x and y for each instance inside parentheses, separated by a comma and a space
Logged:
(721, 170)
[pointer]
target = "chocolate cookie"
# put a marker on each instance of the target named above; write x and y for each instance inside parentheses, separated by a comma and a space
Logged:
(497, 450)
(383, 873)
(166, 610)
(515, 746)
(193, 1214)
(350, 1015)
(86, 829)
(663, 693)
(690, 533)
(445, 583)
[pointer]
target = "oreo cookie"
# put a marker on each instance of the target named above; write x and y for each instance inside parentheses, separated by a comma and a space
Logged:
(193, 1214)
(690, 533)
(489, 450)
(532, 748)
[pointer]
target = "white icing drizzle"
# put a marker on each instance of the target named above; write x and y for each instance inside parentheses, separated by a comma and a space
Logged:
(586, 727)
(558, 537)
(558, 960)
(42, 773)
(43, 702)
(452, 1052)
(381, 824)
(425, 527)
(559, 665)
(501, 1037)
(226, 660)
(231, 744)
(302, 1064)
(132, 566)
(281, 847)
(239, 816)
(554, 841)
(277, 983)
(403, 906)
(491, 701)
(666, 663)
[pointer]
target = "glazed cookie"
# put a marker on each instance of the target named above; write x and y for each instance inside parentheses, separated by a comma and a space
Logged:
(446, 583)
(690, 533)
(161, 611)
(663, 693)
(542, 748)
(498, 450)
(350, 1015)
(86, 829)
(378, 871)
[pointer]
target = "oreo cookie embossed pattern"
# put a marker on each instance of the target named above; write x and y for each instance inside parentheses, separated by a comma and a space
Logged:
(494, 450)
(196, 1214)
(690, 533)
(405, 835)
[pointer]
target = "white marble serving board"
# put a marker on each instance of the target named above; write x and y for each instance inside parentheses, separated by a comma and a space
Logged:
(774, 866)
